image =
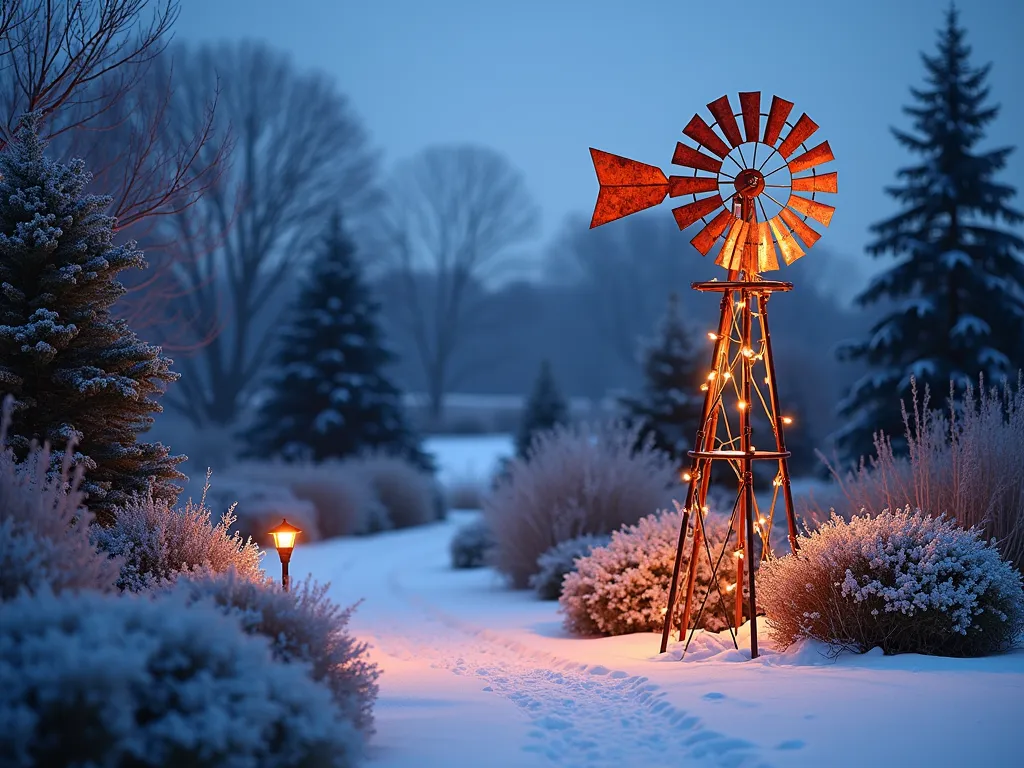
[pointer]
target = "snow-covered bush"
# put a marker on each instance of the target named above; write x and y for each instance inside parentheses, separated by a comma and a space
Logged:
(408, 494)
(45, 542)
(158, 543)
(907, 583)
(99, 680)
(260, 503)
(623, 587)
(304, 626)
(578, 480)
(472, 545)
(464, 493)
(560, 560)
(966, 465)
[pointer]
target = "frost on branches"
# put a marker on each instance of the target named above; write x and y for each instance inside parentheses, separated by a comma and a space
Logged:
(901, 581)
(76, 373)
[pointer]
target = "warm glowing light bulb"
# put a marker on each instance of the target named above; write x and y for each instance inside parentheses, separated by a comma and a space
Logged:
(712, 336)
(686, 477)
(741, 304)
(747, 352)
(741, 405)
(730, 588)
(766, 380)
(703, 387)
(738, 553)
(787, 420)
(704, 509)
(762, 520)
(727, 375)
(712, 375)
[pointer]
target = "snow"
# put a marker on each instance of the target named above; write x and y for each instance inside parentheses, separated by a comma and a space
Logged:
(476, 674)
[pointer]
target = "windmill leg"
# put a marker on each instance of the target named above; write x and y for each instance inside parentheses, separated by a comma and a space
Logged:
(741, 516)
(674, 586)
(778, 426)
(748, 480)
(696, 551)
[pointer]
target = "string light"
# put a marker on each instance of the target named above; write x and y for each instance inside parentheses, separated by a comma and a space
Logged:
(747, 352)
(766, 380)
(741, 304)
(712, 336)
(787, 420)
(686, 477)
(729, 588)
(712, 375)
(727, 375)
(762, 520)
(703, 387)
(738, 553)
(741, 405)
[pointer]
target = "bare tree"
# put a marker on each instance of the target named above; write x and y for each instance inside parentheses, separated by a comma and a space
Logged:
(86, 67)
(453, 216)
(299, 154)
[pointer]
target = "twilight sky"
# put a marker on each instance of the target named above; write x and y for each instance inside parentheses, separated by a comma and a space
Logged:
(544, 80)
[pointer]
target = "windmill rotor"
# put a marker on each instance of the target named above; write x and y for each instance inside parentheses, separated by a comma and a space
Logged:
(753, 183)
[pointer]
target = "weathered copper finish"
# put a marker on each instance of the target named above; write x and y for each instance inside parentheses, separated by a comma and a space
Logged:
(689, 214)
(817, 211)
(791, 250)
(750, 105)
(691, 158)
(626, 187)
(722, 110)
(704, 135)
(749, 182)
(704, 241)
(811, 158)
(729, 256)
(691, 185)
(767, 261)
(823, 182)
(803, 130)
(777, 115)
(799, 227)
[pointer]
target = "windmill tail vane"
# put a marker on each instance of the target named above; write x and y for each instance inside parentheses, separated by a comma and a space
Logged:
(754, 209)
(754, 184)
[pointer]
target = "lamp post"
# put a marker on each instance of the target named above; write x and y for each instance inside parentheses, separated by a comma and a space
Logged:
(284, 540)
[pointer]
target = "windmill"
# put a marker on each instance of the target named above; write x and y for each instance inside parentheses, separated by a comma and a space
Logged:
(753, 210)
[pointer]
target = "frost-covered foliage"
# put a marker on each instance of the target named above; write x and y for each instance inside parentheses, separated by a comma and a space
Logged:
(330, 397)
(158, 543)
(966, 464)
(410, 495)
(472, 545)
(560, 560)
(260, 502)
(100, 680)
(76, 373)
(901, 581)
(464, 493)
(45, 542)
(623, 587)
(545, 409)
(305, 628)
(578, 480)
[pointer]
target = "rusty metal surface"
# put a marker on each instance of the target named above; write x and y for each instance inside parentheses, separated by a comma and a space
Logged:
(767, 260)
(704, 134)
(750, 105)
(722, 110)
(691, 185)
(820, 212)
(688, 157)
(689, 214)
(627, 186)
(812, 158)
(803, 130)
(732, 249)
(704, 241)
(823, 182)
(800, 227)
(777, 115)
(790, 248)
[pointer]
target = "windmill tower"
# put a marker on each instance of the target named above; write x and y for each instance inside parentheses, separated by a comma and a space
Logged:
(753, 190)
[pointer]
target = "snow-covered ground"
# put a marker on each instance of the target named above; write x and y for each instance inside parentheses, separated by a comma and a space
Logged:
(480, 676)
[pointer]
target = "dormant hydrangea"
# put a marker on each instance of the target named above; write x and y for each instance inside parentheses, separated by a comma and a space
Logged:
(902, 580)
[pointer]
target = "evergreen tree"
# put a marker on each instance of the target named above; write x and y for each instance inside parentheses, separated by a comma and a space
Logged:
(75, 372)
(329, 396)
(545, 409)
(670, 406)
(956, 292)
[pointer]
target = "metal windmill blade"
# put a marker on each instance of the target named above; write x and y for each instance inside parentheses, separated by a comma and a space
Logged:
(754, 211)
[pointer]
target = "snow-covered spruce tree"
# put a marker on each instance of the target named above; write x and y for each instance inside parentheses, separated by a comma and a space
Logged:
(74, 371)
(956, 292)
(328, 397)
(670, 405)
(545, 409)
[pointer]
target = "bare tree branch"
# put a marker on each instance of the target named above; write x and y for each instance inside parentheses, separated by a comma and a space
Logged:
(453, 218)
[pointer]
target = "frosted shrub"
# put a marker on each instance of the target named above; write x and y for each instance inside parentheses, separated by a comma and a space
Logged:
(472, 545)
(560, 560)
(304, 627)
(260, 505)
(966, 465)
(408, 494)
(623, 587)
(907, 583)
(465, 493)
(99, 680)
(577, 480)
(158, 543)
(45, 542)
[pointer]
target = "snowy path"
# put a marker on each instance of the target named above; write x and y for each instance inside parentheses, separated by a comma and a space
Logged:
(566, 713)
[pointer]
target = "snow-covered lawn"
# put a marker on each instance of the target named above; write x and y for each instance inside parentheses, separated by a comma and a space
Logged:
(479, 676)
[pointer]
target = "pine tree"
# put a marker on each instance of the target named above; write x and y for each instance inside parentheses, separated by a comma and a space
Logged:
(670, 406)
(545, 409)
(75, 372)
(329, 396)
(956, 293)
